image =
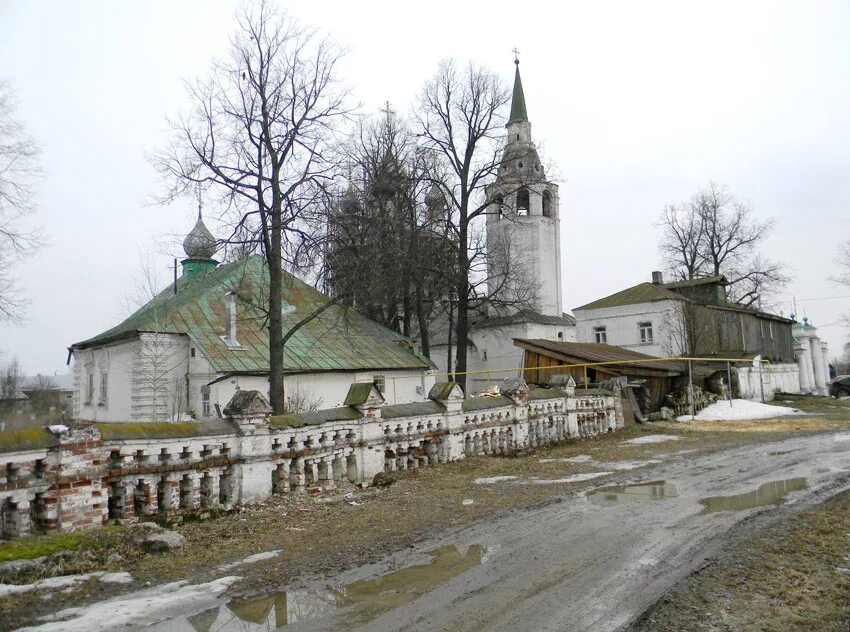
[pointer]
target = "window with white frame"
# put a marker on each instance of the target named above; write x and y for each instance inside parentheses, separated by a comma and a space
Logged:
(205, 402)
(600, 334)
(380, 383)
(645, 330)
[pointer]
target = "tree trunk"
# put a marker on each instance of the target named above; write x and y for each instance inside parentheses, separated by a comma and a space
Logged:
(276, 394)
(423, 322)
(462, 328)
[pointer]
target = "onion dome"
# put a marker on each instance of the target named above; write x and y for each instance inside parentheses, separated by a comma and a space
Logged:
(200, 243)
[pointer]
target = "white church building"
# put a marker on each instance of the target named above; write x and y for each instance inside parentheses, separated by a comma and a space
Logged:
(185, 353)
(523, 238)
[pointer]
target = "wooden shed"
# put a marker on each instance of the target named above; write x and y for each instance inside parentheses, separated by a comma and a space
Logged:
(544, 358)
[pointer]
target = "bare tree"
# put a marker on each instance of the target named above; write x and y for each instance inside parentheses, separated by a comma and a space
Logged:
(713, 233)
(157, 357)
(259, 138)
(11, 380)
(19, 172)
(460, 122)
(387, 240)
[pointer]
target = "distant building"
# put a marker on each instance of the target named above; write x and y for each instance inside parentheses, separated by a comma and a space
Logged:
(40, 400)
(524, 264)
(694, 318)
(187, 351)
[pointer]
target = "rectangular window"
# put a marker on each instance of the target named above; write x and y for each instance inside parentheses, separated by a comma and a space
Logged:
(89, 387)
(380, 383)
(645, 330)
(104, 389)
(600, 335)
(205, 403)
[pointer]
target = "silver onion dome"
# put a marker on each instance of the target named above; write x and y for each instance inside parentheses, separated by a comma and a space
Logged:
(200, 243)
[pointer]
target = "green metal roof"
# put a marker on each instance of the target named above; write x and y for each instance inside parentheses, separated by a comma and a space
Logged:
(518, 109)
(718, 278)
(339, 339)
(640, 293)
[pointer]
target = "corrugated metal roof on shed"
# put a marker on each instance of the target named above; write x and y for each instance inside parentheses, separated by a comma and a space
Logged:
(596, 352)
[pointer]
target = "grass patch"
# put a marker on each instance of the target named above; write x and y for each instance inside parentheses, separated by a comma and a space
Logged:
(26, 439)
(782, 576)
(34, 546)
(162, 429)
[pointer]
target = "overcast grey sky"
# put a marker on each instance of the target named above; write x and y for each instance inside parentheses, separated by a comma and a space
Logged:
(638, 105)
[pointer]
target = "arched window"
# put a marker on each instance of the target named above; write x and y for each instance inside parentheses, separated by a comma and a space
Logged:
(522, 202)
(547, 204)
(499, 201)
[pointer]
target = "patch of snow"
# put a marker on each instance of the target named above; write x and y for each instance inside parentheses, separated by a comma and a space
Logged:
(629, 465)
(493, 479)
(141, 608)
(58, 428)
(116, 578)
(575, 478)
(251, 559)
(467, 501)
(65, 582)
(842, 437)
(581, 458)
(740, 410)
(659, 438)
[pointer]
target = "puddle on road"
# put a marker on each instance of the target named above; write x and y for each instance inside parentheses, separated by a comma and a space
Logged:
(638, 492)
(362, 600)
(780, 452)
(772, 493)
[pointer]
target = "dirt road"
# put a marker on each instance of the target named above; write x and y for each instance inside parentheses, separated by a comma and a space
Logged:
(593, 561)
(588, 564)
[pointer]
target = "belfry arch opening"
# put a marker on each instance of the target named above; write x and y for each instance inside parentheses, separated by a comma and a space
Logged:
(547, 204)
(523, 202)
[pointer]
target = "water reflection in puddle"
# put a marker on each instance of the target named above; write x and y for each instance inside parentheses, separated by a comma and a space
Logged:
(772, 493)
(640, 492)
(362, 600)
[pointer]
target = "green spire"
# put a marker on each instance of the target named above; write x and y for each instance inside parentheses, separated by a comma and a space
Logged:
(518, 111)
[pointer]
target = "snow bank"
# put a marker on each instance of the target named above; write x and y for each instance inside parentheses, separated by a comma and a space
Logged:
(581, 458)
(251, 559)
(493, 479)
(575, 478)
(740, 410)
(653, 439)
(65, 582)
(142, 608)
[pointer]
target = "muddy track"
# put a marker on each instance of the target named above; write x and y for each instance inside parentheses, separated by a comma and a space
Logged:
(584, 562)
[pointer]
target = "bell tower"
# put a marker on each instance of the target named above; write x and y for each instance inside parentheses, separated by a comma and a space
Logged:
(523, 224)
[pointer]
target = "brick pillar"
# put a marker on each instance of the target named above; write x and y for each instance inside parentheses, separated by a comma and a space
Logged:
(280, 477)
(326, 477)
(189, 489)
(209, 490)
(297, 478)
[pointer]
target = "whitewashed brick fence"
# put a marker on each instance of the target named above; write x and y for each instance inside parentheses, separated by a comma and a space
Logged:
(65, 479)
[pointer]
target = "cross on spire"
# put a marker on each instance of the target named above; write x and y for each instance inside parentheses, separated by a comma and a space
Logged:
(516, 55)
(388, 112)
(200, 198)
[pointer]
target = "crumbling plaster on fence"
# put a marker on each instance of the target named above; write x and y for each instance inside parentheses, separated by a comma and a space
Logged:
(86, 480)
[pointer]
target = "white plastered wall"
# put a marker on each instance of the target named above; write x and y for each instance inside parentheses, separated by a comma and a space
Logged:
(622, 326)
(316, 390)
(116, 361)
